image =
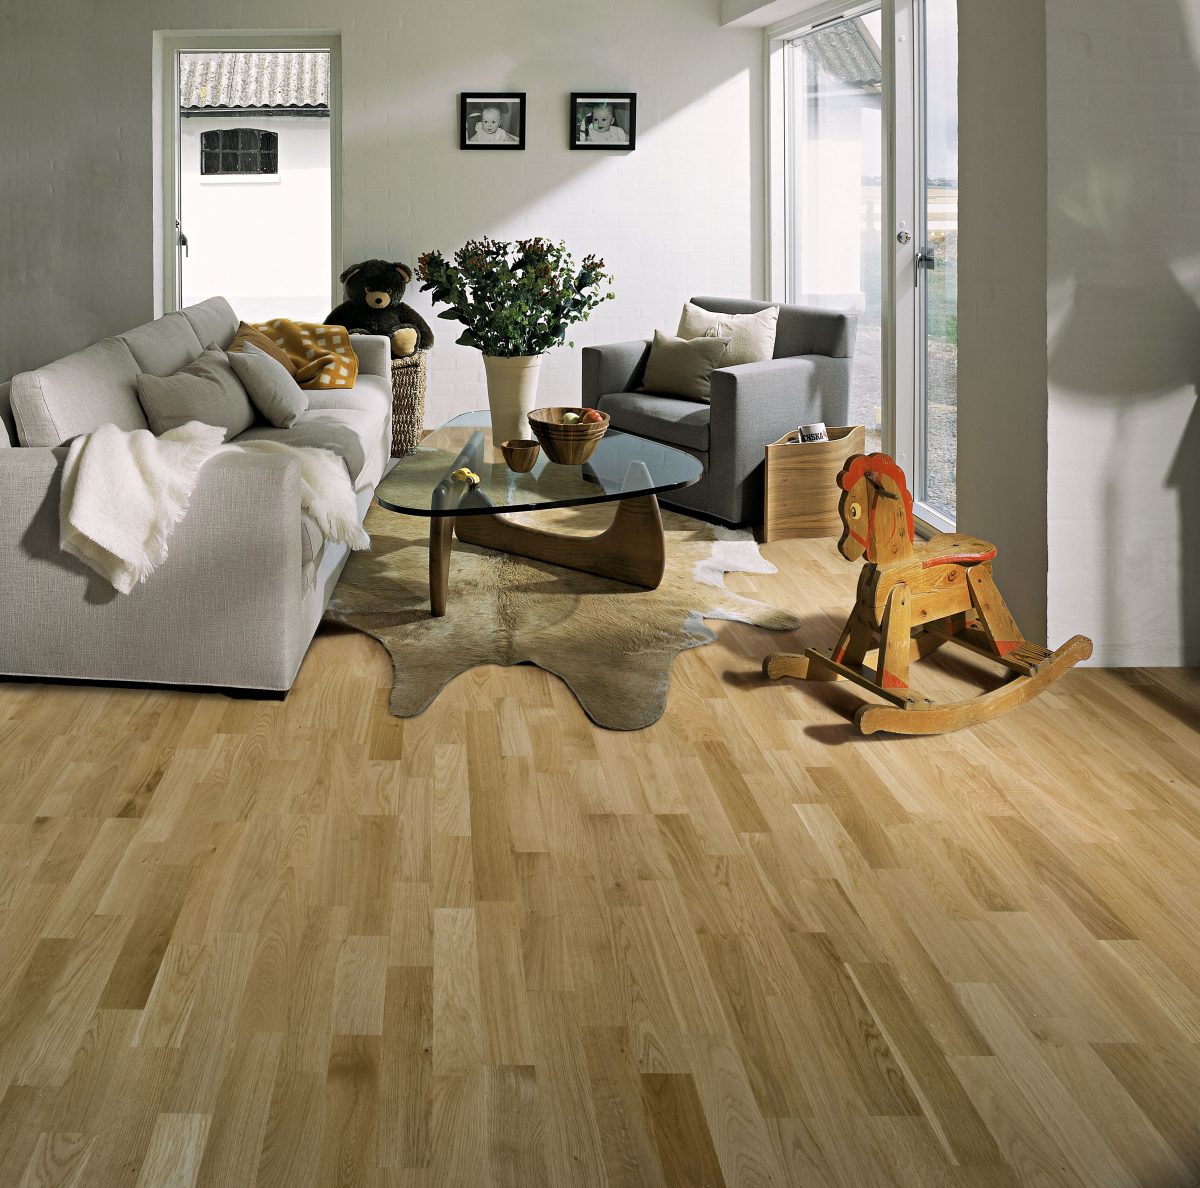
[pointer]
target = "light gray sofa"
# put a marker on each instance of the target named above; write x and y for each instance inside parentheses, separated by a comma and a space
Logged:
(237, 601)
(752, 405)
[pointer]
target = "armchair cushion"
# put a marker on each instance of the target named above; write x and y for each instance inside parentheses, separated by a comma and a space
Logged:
(751, 336)
(682, 423)
(681, 367)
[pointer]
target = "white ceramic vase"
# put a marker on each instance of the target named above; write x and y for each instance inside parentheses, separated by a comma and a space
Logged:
(512, 390)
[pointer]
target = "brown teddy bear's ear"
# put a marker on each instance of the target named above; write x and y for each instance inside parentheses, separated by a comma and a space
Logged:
(404, 271)
(350, 272)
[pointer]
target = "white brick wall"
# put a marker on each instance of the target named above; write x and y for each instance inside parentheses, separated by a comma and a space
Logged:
(1123, 494)
(679, 215)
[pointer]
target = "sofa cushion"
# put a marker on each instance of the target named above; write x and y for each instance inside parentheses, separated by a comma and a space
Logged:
(205, 390)
(213, 321)
(271, 387)
(164, 346)
(351, 433)
(663, 418)
(369, 392)
(255, 337)
(76, 394)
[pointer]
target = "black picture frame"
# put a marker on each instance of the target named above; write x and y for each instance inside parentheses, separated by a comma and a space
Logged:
(622, 104)
(471, 108)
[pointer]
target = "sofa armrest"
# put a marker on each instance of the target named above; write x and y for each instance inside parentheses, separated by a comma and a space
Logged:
(224, 609)
(374, 353)
(757, 403)
(614, 367)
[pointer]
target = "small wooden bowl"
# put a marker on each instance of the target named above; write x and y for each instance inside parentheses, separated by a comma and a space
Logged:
(520, 453)
(568, 445)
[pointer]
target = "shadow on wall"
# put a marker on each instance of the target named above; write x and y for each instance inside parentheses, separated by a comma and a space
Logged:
(1124, 346)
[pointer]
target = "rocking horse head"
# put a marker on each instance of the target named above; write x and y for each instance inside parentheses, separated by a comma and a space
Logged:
(876, 510)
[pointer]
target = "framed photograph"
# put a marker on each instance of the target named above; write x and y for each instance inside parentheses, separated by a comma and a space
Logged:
(603, 120)
(491, 119)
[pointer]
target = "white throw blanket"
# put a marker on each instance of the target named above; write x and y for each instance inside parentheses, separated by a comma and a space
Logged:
(124, 492)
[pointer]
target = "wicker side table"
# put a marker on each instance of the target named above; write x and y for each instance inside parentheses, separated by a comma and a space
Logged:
(408, 403)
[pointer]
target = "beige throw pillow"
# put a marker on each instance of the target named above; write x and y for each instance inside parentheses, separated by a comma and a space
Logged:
(271, 388)
(677, 367)
(205, 390)
(751, 336)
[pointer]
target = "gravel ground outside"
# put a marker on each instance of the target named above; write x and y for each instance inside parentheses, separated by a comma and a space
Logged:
(866, 387)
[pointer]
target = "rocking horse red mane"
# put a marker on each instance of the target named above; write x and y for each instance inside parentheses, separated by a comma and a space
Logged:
(913, 597)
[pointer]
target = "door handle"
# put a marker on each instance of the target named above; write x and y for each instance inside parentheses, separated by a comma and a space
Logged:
(927, 259)
(180, 238)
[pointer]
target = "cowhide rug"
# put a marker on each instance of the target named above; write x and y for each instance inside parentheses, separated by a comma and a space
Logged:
(612, 644)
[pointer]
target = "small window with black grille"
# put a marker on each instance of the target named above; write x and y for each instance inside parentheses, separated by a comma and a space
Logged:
(239, 150)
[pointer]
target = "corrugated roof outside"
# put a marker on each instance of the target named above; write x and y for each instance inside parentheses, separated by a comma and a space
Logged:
(232, 81)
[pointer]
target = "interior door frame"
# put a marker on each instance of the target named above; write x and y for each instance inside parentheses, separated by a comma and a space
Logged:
(168, 45)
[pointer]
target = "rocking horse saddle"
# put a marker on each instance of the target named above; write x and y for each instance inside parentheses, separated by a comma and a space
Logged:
(935, 573)
(950, 548)
(912, 599)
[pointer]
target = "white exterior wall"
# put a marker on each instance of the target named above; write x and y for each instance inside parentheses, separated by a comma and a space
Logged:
(261, 241)
(1123, 496)
(680, 215)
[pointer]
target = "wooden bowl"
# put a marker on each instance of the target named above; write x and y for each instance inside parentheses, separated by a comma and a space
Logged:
(520, 453)
(568, 445)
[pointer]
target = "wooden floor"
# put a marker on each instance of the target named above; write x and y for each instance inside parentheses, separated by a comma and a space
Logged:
(304, 943)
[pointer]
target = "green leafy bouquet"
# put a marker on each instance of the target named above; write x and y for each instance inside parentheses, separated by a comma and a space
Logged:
(514, 298)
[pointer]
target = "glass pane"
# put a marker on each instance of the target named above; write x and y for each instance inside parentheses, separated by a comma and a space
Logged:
(623, 466)
(940, 397)
(836, 193)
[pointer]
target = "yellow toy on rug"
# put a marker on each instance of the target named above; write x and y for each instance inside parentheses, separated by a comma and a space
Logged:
(322, 355)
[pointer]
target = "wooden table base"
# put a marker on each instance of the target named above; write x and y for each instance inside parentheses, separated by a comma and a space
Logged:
(631, 549)
(441, 537)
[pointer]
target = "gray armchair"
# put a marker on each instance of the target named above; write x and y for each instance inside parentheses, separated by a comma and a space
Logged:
(754, 404)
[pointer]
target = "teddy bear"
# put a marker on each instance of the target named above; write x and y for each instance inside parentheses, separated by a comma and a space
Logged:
(375, 305)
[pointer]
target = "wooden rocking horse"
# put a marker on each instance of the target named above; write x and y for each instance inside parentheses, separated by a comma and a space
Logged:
(912, 598)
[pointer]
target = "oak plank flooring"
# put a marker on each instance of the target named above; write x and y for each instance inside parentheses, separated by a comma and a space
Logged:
(305, 943)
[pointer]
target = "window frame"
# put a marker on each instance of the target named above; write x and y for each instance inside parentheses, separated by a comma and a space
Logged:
(239, 152)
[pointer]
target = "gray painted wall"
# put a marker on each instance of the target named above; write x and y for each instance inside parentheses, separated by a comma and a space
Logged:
(681, 214)
(1002, 294)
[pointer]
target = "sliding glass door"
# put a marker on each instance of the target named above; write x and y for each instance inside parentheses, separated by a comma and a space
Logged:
(937, 199)
(835, 191)
(871, 222)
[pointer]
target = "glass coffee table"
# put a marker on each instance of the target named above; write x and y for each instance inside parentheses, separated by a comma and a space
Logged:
(627, 470)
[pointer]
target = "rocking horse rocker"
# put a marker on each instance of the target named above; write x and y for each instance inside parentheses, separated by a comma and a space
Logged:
(912, 599)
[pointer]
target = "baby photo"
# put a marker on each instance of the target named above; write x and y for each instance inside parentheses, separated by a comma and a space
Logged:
(495, 120)
(603, 121)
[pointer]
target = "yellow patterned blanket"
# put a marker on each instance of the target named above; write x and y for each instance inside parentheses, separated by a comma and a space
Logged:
(322, 355)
